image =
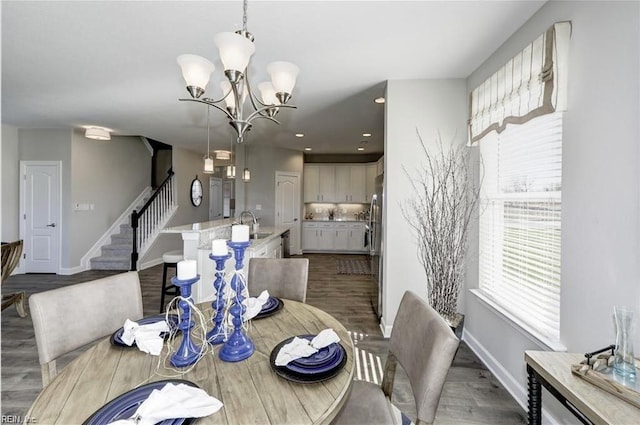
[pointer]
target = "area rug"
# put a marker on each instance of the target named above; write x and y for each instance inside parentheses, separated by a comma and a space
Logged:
(353, 266)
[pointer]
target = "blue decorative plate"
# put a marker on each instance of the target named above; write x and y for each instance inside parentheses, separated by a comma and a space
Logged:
(321, 358)
(116, 337)
(125, 405)
(266, 312)
(271, 303)
(308, 375)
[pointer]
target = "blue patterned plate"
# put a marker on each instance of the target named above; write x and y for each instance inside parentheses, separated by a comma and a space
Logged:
(116, 337)
(321, 358)
(271, 310)
(303, 375)
(125, 405)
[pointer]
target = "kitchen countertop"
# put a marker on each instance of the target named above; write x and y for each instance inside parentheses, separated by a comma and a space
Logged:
(325, 220)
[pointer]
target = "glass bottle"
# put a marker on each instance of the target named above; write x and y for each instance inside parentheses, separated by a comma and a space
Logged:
(623, 361)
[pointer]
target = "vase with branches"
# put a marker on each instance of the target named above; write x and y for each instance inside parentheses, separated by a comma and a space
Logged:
(446, 196)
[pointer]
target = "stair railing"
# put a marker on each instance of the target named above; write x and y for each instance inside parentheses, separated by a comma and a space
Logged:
(145, 223)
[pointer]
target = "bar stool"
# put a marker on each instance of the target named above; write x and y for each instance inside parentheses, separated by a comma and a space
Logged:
(170, 259)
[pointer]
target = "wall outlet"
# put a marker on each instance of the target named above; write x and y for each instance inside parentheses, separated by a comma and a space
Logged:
(258, 207)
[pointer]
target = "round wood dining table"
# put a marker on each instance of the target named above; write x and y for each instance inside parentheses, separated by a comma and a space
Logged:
(251, 392)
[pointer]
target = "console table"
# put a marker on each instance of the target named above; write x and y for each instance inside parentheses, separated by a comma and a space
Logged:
(590, 404)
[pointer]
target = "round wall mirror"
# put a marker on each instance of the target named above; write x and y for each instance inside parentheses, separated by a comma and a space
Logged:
(196, 192)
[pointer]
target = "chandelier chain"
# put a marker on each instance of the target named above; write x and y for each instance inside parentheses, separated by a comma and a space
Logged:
(244, 15)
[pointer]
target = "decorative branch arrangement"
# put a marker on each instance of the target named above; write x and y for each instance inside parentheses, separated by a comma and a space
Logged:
(446, 197)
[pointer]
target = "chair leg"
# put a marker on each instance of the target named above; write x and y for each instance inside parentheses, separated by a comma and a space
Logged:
(164, 286)
(20, 305)
(49, 371)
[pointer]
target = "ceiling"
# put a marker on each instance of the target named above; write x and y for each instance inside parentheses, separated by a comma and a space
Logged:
(113, 63)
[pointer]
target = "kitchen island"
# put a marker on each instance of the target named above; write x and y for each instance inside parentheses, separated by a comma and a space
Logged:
(197, 239)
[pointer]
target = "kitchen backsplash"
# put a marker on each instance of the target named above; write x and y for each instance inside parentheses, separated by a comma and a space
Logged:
(319, 211)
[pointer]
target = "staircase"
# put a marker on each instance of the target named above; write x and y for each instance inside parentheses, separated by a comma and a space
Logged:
(139, 228)
(116, 255)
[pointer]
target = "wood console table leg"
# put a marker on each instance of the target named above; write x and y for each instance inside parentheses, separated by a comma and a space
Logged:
(535, 397)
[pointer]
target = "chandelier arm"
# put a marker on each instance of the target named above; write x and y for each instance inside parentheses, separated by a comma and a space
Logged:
(210, 103)
(253, 97)
(258, 113)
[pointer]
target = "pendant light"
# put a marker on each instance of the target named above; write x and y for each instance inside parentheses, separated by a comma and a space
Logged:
(246, 174)
(231, 168)
(208, 161)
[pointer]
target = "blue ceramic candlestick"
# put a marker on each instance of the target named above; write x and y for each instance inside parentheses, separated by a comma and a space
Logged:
(188, 353)
(217, 334)
(239, 346)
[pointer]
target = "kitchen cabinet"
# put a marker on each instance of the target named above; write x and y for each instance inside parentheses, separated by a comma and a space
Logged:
(350, 183)
(317, 236)
(333, 236)
(370, 180)
(319, 183)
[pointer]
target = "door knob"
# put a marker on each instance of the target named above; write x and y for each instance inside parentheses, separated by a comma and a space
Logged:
(51, 225)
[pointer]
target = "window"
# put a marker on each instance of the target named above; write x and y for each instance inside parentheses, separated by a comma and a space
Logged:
(520, 222)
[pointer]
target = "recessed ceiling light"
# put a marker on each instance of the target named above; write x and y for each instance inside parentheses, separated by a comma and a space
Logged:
(299, 134)
(366, 134)
(360, 148)
(379, 99)
(307, 149)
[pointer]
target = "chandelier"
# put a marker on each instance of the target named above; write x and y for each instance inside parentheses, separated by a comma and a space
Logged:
(235, 52)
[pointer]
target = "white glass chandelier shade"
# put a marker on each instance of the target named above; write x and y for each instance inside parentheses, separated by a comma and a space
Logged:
(196, 70)
(208, 164)
(268, 93)
(235, 50)
(283, 76)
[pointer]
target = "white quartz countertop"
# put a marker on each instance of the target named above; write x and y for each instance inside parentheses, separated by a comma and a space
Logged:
(206, 226)
(337, 220)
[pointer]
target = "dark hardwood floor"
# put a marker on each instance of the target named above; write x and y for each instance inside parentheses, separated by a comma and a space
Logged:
(471, 395)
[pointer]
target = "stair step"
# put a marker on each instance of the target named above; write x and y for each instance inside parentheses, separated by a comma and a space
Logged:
(117, 250)
(109, 263)
(120, 239)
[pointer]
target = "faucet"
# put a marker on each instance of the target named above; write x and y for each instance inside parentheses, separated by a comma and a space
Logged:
(254, 226)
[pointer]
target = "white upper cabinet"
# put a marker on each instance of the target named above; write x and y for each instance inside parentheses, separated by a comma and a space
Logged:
(319, 183)
(370, 180)
(350, 183)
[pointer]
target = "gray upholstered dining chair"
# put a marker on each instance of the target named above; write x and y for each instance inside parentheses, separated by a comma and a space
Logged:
(424, 345)
(282, 277)
(67, 318)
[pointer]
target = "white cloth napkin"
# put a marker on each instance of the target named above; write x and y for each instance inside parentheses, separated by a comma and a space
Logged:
(302, 347)
(147, 337)
(173, 401)
(254, 305)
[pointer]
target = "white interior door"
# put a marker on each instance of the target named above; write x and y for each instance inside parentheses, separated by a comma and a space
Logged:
(40, 214)
(288, 206)
(215, 198)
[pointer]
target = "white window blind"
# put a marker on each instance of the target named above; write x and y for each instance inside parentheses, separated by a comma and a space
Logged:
(520, 225)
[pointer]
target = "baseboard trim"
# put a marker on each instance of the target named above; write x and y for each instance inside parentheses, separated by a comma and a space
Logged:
(512, 385)
(386, 329)
(72, 270)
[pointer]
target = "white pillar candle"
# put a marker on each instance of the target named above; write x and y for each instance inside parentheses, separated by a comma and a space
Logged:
(187, 269)
(240, 233)
(219, 247)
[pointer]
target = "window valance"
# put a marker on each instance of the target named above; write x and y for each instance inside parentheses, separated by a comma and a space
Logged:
(532, 83)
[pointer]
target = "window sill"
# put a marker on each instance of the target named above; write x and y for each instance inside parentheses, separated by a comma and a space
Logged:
(518, 324)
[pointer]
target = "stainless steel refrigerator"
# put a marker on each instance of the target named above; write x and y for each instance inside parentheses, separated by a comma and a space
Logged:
(376, 244)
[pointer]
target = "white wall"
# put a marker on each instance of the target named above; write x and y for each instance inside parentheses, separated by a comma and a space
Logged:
(108, 174)
(10, 184)
(600, 191)
(434, 108)
(263, 162)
